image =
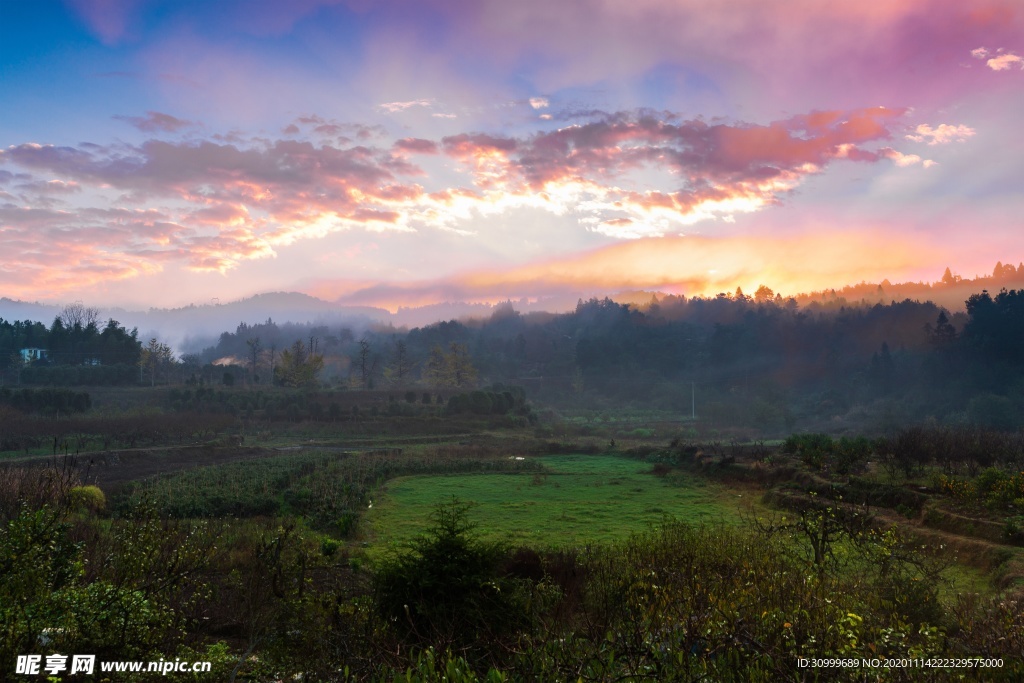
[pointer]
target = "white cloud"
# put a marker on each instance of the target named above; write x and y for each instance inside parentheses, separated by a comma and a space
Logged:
(395, 107)
(539, 102)
(941, 135)
(1001, 62)
(1005, 61)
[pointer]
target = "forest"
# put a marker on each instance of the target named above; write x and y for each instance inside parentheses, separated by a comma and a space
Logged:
(764, 364)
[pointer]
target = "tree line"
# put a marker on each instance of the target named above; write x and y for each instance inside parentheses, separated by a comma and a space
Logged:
(760, 361)
(77, 348)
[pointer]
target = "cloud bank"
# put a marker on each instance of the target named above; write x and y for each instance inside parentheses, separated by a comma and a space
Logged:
(120, 210)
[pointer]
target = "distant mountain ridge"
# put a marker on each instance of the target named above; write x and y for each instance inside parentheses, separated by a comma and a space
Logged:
(186, 325)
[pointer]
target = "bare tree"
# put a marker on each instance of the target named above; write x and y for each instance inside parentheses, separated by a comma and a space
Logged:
(78, 315)
(400, 367)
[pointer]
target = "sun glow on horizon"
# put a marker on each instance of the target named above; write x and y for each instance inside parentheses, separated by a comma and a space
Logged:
(693, 266)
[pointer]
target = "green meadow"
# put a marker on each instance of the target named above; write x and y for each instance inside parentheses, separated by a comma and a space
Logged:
(576, 500)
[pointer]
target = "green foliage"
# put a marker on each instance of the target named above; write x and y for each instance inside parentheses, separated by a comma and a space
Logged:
(155, 360)
(299, 366)
(451, 369)
(428, 667)
(125, 596)
(801, 443)
(37, 561)
(995, 488)
(677, 603)
(88, 499)
(712, 603)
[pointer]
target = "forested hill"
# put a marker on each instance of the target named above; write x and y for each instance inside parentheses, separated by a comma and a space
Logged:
(766, 364)
(951, 291)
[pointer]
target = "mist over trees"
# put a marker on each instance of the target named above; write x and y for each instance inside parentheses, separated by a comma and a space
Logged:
(760, 361)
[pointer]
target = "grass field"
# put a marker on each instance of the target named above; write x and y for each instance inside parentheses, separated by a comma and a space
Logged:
(579, 499)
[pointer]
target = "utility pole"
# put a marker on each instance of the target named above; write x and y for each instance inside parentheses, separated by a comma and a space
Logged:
(693, 401)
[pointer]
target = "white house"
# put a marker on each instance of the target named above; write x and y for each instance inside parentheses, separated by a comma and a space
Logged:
(32, 354)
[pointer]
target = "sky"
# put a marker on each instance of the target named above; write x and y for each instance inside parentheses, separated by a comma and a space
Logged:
(406, 152)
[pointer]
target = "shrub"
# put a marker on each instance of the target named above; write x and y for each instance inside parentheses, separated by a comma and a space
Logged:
(447, 587)
(89, 498)
(813, 449)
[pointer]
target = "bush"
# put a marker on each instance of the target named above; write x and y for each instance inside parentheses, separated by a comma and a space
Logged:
(88, 498)
(813, 449)
(448, 586)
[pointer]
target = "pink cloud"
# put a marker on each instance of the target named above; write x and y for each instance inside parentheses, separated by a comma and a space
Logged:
(717, 169)
(239, 202)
